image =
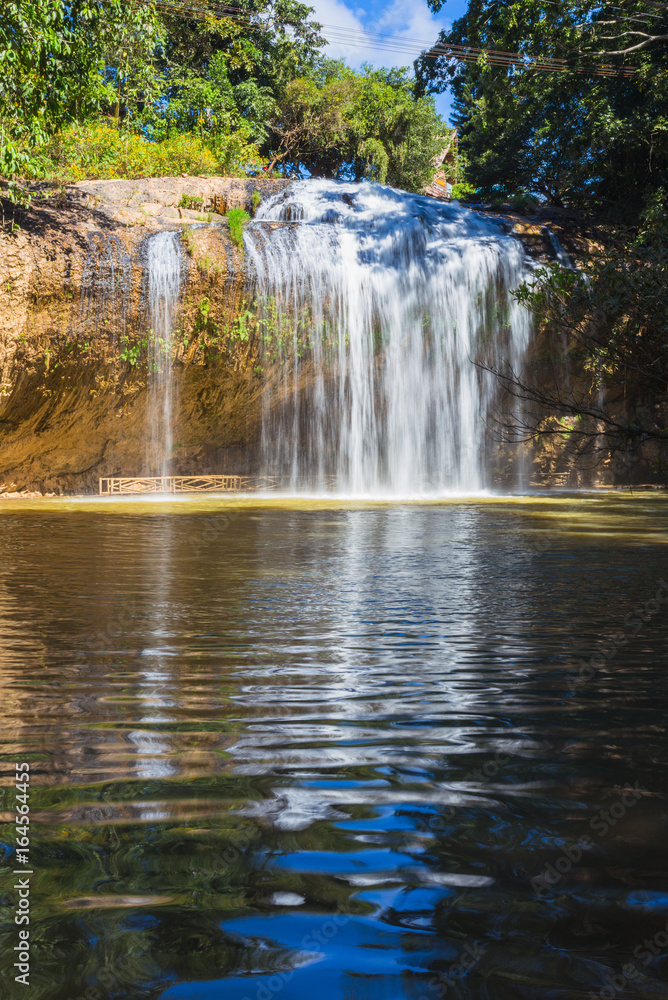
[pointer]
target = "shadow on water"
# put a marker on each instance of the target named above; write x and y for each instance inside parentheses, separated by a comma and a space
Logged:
(297, 749)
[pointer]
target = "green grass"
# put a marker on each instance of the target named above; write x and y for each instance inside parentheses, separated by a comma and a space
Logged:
(237, 219)
(187, 240)
(256, 199)
(192, 201)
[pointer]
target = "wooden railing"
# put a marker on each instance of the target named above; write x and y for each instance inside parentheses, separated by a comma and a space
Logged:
(169, 484)
(207, 484)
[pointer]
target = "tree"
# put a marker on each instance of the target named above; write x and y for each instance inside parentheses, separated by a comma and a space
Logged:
(312, 128)
(252, 78)
(583, 134)
(60, 61)
(601, 384)
(343, 124)
(264, 44)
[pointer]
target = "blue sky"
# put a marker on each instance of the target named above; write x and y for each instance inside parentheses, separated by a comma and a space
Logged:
(410, 25)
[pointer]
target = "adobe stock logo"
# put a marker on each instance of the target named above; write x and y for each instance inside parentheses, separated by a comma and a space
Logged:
(607, 648)
(599, 824)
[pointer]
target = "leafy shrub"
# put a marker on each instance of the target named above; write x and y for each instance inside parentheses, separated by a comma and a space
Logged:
(100, 150)
(235, 154)
(237, 219)
(523, 203)
(464, 191)
(193, 201)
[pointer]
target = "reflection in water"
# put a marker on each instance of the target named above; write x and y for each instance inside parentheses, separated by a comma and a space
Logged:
(339, 751)
(154, 689)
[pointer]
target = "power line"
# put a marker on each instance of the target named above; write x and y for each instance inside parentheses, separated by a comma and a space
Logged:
(357, 38)
(554, 3)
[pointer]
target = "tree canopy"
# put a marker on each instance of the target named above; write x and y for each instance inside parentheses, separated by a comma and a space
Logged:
(253, 86)
(340, 123)
(594, 133)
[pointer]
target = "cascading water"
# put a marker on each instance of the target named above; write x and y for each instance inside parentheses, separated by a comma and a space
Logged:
(106, 286)
(164, 266)
(376, 304)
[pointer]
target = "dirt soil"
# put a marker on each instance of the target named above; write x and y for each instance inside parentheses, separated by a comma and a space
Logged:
(73, 293)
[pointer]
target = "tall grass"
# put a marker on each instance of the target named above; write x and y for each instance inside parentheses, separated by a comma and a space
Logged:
(237, 219)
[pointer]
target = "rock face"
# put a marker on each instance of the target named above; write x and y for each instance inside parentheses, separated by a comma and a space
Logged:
(154, 202)
(74, 358)
(75, 361)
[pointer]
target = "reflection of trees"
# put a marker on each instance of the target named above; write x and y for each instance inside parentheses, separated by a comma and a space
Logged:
(298, 654)
(119, 686)
(137, 947)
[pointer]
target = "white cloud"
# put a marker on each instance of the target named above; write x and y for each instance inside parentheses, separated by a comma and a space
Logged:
(334, 13)
(411, 21)
(408, 27)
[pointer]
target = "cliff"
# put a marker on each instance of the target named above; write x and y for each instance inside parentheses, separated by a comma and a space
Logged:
(73, 322)
(75, 362)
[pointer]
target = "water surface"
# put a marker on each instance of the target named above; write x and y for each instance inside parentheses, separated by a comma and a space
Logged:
(338, 750)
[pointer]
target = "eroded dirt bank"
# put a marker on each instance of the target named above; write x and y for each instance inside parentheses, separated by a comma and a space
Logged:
(74, 359)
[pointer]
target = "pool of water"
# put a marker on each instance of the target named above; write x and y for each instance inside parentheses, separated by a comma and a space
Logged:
(342, 751)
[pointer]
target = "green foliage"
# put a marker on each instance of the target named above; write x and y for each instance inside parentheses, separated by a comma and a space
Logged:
(220, 77)
(611, 319)
(207, 95)
(464, 191)
(523, 203)
(191, 201)
(201, 102)
(237, 219)
(130, 352)
(61, 62)
(343, 124)
(616, 309)
(256, 200)
(187, 240)
(574, 137)
(376, 160)
(100, 150)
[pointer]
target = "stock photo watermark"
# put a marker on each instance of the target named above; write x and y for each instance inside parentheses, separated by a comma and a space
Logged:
(600, 824)
(608, 648)
(22, 873)
(630, 972)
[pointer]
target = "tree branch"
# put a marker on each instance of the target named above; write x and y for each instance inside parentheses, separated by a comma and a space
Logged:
(632, 48)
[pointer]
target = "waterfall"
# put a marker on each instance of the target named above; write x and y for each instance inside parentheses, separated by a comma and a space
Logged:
(164, 265)
(374, 306)
(106, 287)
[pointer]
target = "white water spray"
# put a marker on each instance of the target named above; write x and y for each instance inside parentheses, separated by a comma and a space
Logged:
(164, 285)
(376, 305)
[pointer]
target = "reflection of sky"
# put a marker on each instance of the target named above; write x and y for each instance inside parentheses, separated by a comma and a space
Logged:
(313, 954)
(385, 633)
(410, 28)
